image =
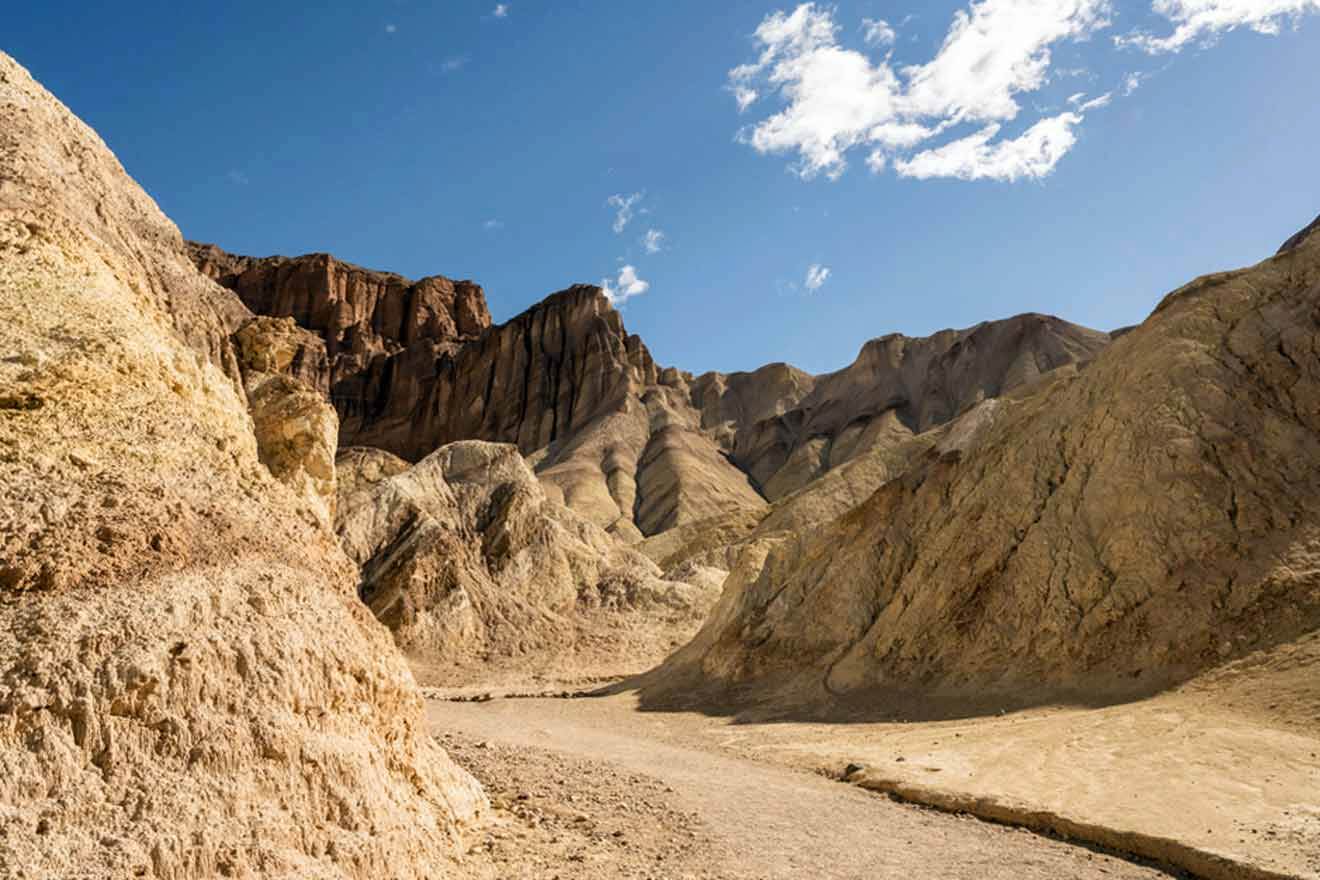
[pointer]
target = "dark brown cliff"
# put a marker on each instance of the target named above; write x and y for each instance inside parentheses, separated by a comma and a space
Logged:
(374, 324)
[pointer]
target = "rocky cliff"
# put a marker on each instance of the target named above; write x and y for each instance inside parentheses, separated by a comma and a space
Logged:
(1100, 534)
(371, 322)
(189, 687)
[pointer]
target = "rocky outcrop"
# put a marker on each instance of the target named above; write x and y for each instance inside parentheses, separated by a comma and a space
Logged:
(901, 386)
(278, 346)
(729, 401)
(296, 429)
(1100, 535)
(377, 327)
(470, 565)
(1297, 239)
(189, 687)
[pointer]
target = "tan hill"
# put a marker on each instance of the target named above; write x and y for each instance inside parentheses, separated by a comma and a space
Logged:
(1102, 534)
(479, 575)
(189, 687)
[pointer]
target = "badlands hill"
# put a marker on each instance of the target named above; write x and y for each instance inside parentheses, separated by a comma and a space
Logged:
(189, 687)
(1100, 535)
(622, 450)
(636, 448)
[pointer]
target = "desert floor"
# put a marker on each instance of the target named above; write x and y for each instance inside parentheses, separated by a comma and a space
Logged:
(1221, 776)
(592, 788)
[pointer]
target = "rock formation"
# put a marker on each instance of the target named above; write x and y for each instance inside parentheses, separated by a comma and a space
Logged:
(635, 448)
(900, 386)
(1101, 534)
(189, 687)
(297, 431)
(375, 325)
(468, 563)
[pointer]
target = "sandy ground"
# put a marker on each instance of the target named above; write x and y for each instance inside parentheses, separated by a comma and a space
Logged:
(593, 789)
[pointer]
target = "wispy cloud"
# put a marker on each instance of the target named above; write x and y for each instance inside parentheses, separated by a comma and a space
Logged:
(877, 32)
(501, 10)
(492, 225)
(979, 156)
(1084, 105)
(1206, 20)
(653, 242)
(817, 275)
(625, 286)
(391, 28)
(624, 210)
(453, 63)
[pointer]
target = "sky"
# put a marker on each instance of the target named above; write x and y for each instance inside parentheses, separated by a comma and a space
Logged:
(750, 181)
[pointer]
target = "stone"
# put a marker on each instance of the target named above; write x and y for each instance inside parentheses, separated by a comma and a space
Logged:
(201, 693)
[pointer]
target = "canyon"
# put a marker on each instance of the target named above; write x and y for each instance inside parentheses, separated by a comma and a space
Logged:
(313, 570)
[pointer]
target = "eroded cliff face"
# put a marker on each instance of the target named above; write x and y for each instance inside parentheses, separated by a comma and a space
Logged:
(1102, 533)
(374, 325)
(189, 687)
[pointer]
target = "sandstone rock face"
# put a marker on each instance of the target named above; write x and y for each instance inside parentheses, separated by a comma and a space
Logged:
(1104, 533)
(188, 686)
(296, 429)
(900, 386)
(279, 346)
(469, 564)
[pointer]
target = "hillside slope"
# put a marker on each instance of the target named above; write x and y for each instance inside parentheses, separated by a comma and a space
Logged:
(1109, 532)
(188, 686)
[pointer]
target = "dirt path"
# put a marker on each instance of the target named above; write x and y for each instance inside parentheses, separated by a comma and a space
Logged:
(765, 821)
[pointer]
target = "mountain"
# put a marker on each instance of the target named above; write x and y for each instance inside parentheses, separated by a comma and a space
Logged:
(636, 448)
(1101, 534)
(189, 686)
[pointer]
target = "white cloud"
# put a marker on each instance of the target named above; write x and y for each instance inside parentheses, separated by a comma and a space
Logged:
(745, 97)
(1205, 20)
(877, 32)
(839, 99)
(625, 287)
(391, 28)
(817, 275)
(501, 10)
(493, 225)
(653, 242)
(1079, 101)
(996, 50)
(1132, 82)
(453, 63)
(623, 209)
(980, 157)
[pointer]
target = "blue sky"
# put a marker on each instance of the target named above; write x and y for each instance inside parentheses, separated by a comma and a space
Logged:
(441, 138)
